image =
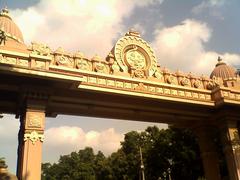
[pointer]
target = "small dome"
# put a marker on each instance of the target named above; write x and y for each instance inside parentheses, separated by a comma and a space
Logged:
(224, 71)
(10, 29)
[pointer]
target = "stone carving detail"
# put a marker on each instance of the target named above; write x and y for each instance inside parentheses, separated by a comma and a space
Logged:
(196, 83)
(33, 136)
(23, 62)
(99, 65)
(210, 85)
(35, 120)
(158, 74)
(8, 60)
(3, 37)
(185, 81)
(135, 59)
(40, 64)
(134, 54)
(62, 58)
(139, 73)
(169, 79)
(115, 67)
(40, 49)
(141, 87)
(64, 61)
(83, 64)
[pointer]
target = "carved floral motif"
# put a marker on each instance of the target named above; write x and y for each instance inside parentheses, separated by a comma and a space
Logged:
(185, 81)
(34, 136)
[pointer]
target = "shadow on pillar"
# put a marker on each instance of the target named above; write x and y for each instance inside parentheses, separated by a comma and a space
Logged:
(231, 148)
(214, 163)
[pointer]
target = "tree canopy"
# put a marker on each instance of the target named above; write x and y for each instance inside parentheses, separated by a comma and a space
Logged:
(165, 152)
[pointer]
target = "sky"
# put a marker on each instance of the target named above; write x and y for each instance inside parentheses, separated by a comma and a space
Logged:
(186, 35)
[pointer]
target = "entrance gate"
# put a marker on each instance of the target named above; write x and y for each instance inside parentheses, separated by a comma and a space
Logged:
(36, 82)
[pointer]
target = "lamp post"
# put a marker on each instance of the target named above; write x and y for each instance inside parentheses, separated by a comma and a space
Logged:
(169, 169)
(142, 175)
(169, 174)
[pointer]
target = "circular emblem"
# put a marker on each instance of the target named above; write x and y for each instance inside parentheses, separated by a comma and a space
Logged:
(132, 52)
(135, 59)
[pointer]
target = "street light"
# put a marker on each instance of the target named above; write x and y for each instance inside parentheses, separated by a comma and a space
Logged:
(169, 173)
(142, 175)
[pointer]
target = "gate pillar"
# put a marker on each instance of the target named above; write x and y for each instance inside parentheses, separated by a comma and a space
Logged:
(231, 147)
(208, 152)
(30, 136)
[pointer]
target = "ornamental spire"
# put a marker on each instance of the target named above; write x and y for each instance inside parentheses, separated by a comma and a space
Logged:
(5, 12)
(220, 61)
(133, 32)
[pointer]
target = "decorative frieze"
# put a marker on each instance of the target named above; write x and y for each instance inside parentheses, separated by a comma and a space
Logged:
(23, 62)
(110, 82)
(130, 66)
(8, 60)
(40, 64)
(147, 88)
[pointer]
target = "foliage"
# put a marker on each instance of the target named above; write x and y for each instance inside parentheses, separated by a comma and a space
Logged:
(163, 150)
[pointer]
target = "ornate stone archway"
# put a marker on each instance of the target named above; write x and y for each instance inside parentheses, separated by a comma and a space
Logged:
(128, 84)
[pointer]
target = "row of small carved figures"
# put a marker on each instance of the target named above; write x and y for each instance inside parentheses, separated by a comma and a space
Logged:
(109, 66)
(161, 75)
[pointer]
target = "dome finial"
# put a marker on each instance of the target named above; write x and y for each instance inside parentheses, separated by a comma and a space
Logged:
(222, 70)
(219, 59)
(5, 12)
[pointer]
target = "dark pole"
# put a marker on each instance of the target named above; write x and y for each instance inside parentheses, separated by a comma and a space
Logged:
(142, 166)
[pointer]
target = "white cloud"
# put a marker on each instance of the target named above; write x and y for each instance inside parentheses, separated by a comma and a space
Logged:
(212, 7)
(65, 139)
(206, 4)
(9, 127)
(182, 47)
(88, 26)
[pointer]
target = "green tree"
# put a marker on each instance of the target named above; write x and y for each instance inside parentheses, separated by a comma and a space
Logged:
(76, 166)
(164, 150)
